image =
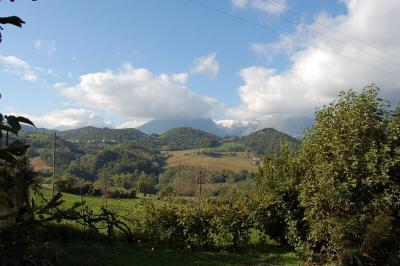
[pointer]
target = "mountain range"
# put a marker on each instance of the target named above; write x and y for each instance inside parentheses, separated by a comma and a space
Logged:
(222, 128)
(288, 125)
(182, 138)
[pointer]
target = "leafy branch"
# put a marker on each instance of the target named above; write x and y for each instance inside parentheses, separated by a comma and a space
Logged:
(13, 20)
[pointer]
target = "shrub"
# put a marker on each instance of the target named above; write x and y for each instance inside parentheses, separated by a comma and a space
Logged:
(233, 224)
(162, 225)
(198, 223)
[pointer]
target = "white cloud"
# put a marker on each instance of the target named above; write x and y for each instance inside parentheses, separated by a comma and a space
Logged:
(48, 45)
(60, 85)
(287, 44)
(69, 118)
(140, 93)
(17, 66)
(331, 55)
(270, 7)
(208, 65)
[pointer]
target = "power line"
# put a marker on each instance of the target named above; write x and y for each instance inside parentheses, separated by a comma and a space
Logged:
(233, 16)
(276, 31)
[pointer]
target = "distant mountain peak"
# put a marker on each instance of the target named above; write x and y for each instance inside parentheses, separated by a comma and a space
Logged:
(158, 126)
(293, 126)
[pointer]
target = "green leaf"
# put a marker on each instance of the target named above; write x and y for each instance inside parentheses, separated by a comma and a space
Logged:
(8, 128)
(25, 121)
(8, 157)
(13, 122)
(17, 148)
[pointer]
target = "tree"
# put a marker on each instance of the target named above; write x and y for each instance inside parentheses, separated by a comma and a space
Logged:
(351, 160)
(15, 174)
(146, 184)
(337, 198)
(276, 206)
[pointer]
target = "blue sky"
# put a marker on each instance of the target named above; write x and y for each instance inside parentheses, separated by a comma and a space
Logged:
(238, 60)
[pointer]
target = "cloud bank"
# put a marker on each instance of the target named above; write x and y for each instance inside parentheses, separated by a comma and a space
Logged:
(331, 54)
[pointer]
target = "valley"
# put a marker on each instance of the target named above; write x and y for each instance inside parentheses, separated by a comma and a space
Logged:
(200, 132)
(132, 162)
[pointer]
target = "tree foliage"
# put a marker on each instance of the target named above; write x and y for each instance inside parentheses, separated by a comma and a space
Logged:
(333, 192)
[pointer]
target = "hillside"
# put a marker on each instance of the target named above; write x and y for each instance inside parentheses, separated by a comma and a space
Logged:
(72, 142)
(266, 140)
(114, 160)
(94, 134)
(42, 146)
(293, 126)
(187, 138)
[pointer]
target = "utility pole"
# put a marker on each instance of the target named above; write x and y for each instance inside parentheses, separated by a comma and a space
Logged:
(179, 179)
(61, 152)
(105, 188)
(54, 163)
(80, 187)
(199, 181)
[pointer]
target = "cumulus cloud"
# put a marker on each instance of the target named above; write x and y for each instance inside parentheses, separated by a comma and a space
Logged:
(69, 118)
(270, 7)
(17, 66)
(137, 92)
(47, 45)
(208, 65)
(332, 53)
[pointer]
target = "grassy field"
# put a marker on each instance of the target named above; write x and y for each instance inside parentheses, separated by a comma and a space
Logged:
(217, 163)
(97, 253)
(115, 253)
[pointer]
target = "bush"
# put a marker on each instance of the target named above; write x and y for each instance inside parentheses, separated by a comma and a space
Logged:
(162, 225)
(121, 193)
(197, 225)
(233, 224)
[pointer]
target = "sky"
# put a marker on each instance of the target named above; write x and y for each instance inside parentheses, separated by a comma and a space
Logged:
(121, 63)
